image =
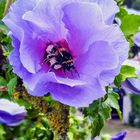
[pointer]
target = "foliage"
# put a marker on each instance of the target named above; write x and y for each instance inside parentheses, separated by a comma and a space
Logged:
(129, 24)
(134, 116)
(100, 111)
(126, 72)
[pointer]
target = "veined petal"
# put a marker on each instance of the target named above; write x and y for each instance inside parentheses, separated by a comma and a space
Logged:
(15, 60)
(31, 53)
(137, 39)
(109, 9)
(45, 19)
(78, 96)
(14, 17)
(100, 56)
(81, 19)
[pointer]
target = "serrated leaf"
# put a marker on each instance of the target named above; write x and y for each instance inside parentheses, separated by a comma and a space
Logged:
(126, 72)
(105, 111)
(98, 112)
(97, 125)
(11, 85)
(112, 101)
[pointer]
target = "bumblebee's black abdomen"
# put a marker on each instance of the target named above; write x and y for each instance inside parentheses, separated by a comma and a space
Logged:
(68, 65)
(66, 60)
(64, 56)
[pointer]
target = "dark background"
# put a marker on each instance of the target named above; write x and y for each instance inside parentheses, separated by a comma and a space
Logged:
(133, 4)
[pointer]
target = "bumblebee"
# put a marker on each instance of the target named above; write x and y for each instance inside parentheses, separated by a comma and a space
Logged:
(58, 57)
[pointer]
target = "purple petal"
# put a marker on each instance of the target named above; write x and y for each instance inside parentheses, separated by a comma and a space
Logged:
(45, 20)
(119, 136)
(78, 96)
(94, 62)
(115, 37)
(31, 53)
(137, 39)
(41, 81)
(15, 60)
(11, 113)
(109, 9)
(14, 17)
(81, 28)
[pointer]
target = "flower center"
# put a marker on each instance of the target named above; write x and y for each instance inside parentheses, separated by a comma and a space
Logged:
(58, 57)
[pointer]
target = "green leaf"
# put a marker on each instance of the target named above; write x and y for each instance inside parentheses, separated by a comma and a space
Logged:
(2, 8)
(112, 101)
(97, 125)
(122, 13)
(11, 85)
(130, 24)
(2, 81)
(98, 112)
(126, 72)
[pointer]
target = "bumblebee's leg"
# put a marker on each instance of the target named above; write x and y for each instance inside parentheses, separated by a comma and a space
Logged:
(76, 72)
(64, 70)
(72, 73)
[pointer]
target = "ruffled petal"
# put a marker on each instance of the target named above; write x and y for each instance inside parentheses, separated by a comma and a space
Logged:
(11, 113)
(31, 53)
(101, 56)
(109, 9)
(132, 85)
(115, 38)
(79, 19)
(119, 136)
(78, 96)
(45, 19)
(41, 80)
(137, 39)
(14, 17)
(129, 86)
(14, 60)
